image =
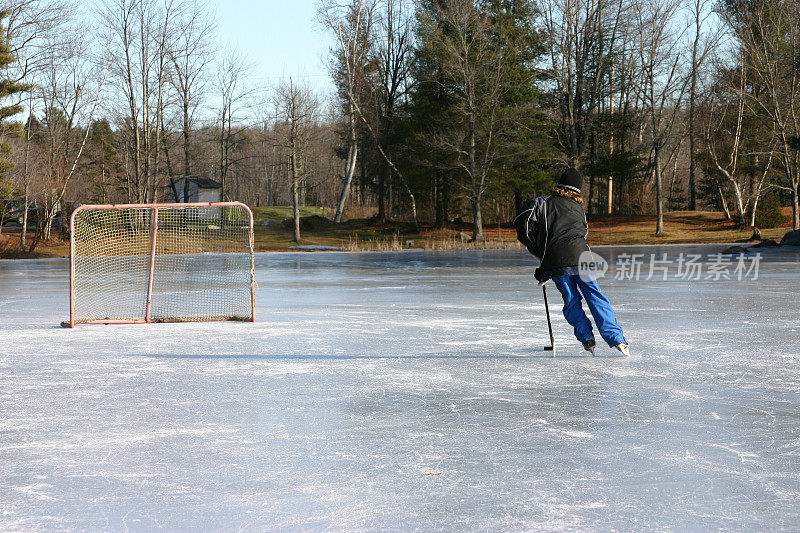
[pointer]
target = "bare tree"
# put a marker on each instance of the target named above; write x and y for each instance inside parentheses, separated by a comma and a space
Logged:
(352, 24)
(770, 38)
(582, 35)
(162, 37)
(392, 57)
(297, 109)
(140, 32)
(67, 97)
(267, 113)
(726, 137)
(190, 52)
(26, 174)
(717, 132)
(703, 46)
(120, 20)
(28, 28)
(233, 96)
(29, 24)
(662, 83)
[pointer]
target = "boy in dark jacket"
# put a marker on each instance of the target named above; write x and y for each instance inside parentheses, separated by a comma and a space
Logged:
(554, 229)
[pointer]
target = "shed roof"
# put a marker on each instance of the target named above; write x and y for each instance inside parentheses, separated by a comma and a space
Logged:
(203, 183)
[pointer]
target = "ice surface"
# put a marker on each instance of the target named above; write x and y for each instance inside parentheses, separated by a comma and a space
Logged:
(367, 372)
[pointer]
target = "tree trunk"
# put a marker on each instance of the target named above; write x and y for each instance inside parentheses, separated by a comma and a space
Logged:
(222, 168)
(790, 166)
(167, 159)
(382, 183)
(26, 174)
(186, 191)
(442, 200)
(610, 206)
(348, 180)
(134, 113)
(413, 202)
(361, 184)
(592, 161)
(23, 238)
(477, 222)
(352, 157)
(692, 98)
(737, 192)
(295, 193)
(753, 213)
(692, 186)
(437, 201)
(47, 228)
(724, 203)
(659, 194)
(186, 133)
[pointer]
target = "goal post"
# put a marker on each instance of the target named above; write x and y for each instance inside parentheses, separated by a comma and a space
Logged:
(145, 263)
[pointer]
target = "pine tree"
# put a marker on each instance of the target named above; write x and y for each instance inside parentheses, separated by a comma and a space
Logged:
(507, 115)
(8, 87)
(525, 139)
(433, 170)
(102, 166)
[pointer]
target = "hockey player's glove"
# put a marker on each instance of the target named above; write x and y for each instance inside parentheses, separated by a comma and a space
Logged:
(539, 275)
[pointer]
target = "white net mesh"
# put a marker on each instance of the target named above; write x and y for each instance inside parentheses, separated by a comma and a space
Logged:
(202, 266)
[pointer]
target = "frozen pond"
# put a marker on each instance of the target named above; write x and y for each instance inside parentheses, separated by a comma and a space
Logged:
(408, 391)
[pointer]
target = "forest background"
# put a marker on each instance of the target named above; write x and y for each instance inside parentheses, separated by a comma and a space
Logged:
(446, 115)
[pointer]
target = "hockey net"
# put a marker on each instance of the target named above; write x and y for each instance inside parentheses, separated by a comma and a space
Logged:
(142, 263)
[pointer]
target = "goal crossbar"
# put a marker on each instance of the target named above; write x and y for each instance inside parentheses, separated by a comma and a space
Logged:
(146, 263)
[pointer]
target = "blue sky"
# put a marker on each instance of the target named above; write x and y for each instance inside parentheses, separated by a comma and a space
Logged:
(281, 38)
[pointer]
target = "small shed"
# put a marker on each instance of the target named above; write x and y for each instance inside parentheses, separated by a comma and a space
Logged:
(194, 189)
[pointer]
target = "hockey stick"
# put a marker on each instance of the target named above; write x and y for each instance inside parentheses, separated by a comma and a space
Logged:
(552, 347)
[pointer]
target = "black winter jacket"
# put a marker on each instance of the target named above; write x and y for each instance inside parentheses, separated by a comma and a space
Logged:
(554, 229)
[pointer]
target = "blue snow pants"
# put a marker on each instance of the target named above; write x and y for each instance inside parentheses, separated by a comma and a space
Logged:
(571, 286)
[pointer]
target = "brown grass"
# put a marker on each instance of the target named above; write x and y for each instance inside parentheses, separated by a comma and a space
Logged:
(56, 246)
(371, 235)
(679, 227)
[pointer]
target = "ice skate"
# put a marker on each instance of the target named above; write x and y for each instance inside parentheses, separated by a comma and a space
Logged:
(623, 347)
(590, 345)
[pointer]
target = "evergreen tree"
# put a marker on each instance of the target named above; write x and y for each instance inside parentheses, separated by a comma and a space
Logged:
(429, 112)
(477, 112)
(8, 88)
(526, 140)
(102, 165)
(770, 213)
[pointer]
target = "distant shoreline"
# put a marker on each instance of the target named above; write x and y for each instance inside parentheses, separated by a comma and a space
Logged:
(371, 235)
(762, 250)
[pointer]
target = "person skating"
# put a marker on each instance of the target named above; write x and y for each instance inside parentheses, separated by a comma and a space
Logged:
(554, 229)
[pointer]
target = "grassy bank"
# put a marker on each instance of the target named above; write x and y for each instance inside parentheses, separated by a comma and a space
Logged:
(368, 234)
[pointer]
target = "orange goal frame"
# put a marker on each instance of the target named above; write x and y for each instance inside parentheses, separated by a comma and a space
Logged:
(155, 207)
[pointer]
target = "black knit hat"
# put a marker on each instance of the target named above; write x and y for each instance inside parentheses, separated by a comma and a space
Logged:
(571, 179)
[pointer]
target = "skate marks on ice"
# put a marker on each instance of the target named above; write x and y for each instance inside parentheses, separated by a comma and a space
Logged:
(331, 411)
